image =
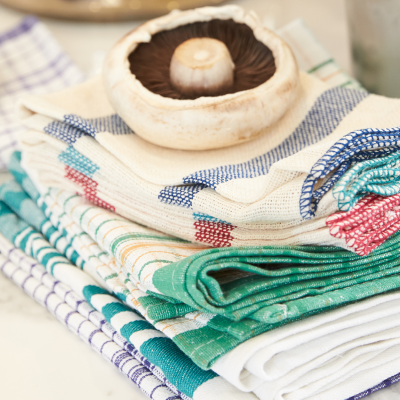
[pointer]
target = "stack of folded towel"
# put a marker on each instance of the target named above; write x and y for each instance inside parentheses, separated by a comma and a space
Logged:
(109, 232)
(275, 190)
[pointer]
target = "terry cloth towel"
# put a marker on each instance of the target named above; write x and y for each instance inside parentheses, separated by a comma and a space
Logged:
(339, 329)
(84, 321)
(31, 62)
(244, 195)
(211, 336)
(153, 344)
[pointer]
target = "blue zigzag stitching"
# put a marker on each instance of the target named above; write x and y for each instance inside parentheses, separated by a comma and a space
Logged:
(325, 115)
(75, 127)
(356, 146)
(78, 161)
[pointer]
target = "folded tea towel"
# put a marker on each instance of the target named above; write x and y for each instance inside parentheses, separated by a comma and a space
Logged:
(294, 352)
(115, 186)
(252, 199)
(194, 278)
(160, 350)
(79, 176)
(357, 375)
(84, 321)
(89, 324)
(191, 337)
(351, 338)
(31, 63)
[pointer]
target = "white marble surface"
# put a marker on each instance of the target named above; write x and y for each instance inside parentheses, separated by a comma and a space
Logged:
(28, 354)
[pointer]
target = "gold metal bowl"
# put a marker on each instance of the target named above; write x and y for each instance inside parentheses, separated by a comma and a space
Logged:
(104, 10)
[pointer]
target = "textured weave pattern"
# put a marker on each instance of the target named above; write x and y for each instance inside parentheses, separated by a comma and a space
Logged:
(20, 202)
(154, 345)
(325, 115)
(84, 321)
(365, 144)
(379, 175)
(123, 320)
(32, 63)
(166, 356)
(253, 189)
(369, 224)
(322, 278)
(75, 127)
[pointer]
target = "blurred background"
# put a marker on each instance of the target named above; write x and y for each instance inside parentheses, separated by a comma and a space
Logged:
(361, 35)
(87, 42)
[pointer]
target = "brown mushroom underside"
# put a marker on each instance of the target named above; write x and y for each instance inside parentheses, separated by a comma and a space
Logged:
(254, 62)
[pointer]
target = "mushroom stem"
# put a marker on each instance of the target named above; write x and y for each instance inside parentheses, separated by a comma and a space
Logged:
(202, 67)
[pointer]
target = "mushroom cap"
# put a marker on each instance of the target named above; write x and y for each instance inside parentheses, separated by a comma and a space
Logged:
(206, 122)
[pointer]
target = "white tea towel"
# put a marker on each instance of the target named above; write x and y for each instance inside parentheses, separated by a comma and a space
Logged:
(31, 62)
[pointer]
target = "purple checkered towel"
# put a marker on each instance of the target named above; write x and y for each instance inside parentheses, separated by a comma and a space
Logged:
(31, 61)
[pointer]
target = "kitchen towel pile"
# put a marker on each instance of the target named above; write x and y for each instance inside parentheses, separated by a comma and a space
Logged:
(85, 321)
(275, 190)
(269, 322)
(31, 62)
(333, 355)
(89, 277)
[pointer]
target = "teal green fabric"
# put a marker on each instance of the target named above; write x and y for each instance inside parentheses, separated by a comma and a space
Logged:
(277, 285)
(302, 278)
(16, 198)
(15, 168)
(379, 175)
(161, 351)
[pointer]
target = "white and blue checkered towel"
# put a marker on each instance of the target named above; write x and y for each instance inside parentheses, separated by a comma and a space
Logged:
(31, 62)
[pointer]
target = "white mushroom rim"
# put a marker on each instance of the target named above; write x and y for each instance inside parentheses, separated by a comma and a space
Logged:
(117, 68)
(206, 122)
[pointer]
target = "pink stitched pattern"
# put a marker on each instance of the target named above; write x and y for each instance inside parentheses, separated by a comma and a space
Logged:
(372, 220)
(216, 234)
(89, 187)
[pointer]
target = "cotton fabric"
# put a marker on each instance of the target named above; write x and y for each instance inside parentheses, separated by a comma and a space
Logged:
(364, 334)
(153, 344)
(84, 321)
(32, 62)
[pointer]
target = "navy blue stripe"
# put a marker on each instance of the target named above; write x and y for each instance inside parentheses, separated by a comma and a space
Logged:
(325, 115)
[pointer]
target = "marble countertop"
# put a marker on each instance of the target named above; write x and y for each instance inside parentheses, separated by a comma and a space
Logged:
(27, 353)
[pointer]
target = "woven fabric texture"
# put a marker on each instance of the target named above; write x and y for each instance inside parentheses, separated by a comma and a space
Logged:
(351, 332)
(222, 198)
(84, 321)
(31, 63)
(96, 282)
(206, 336)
